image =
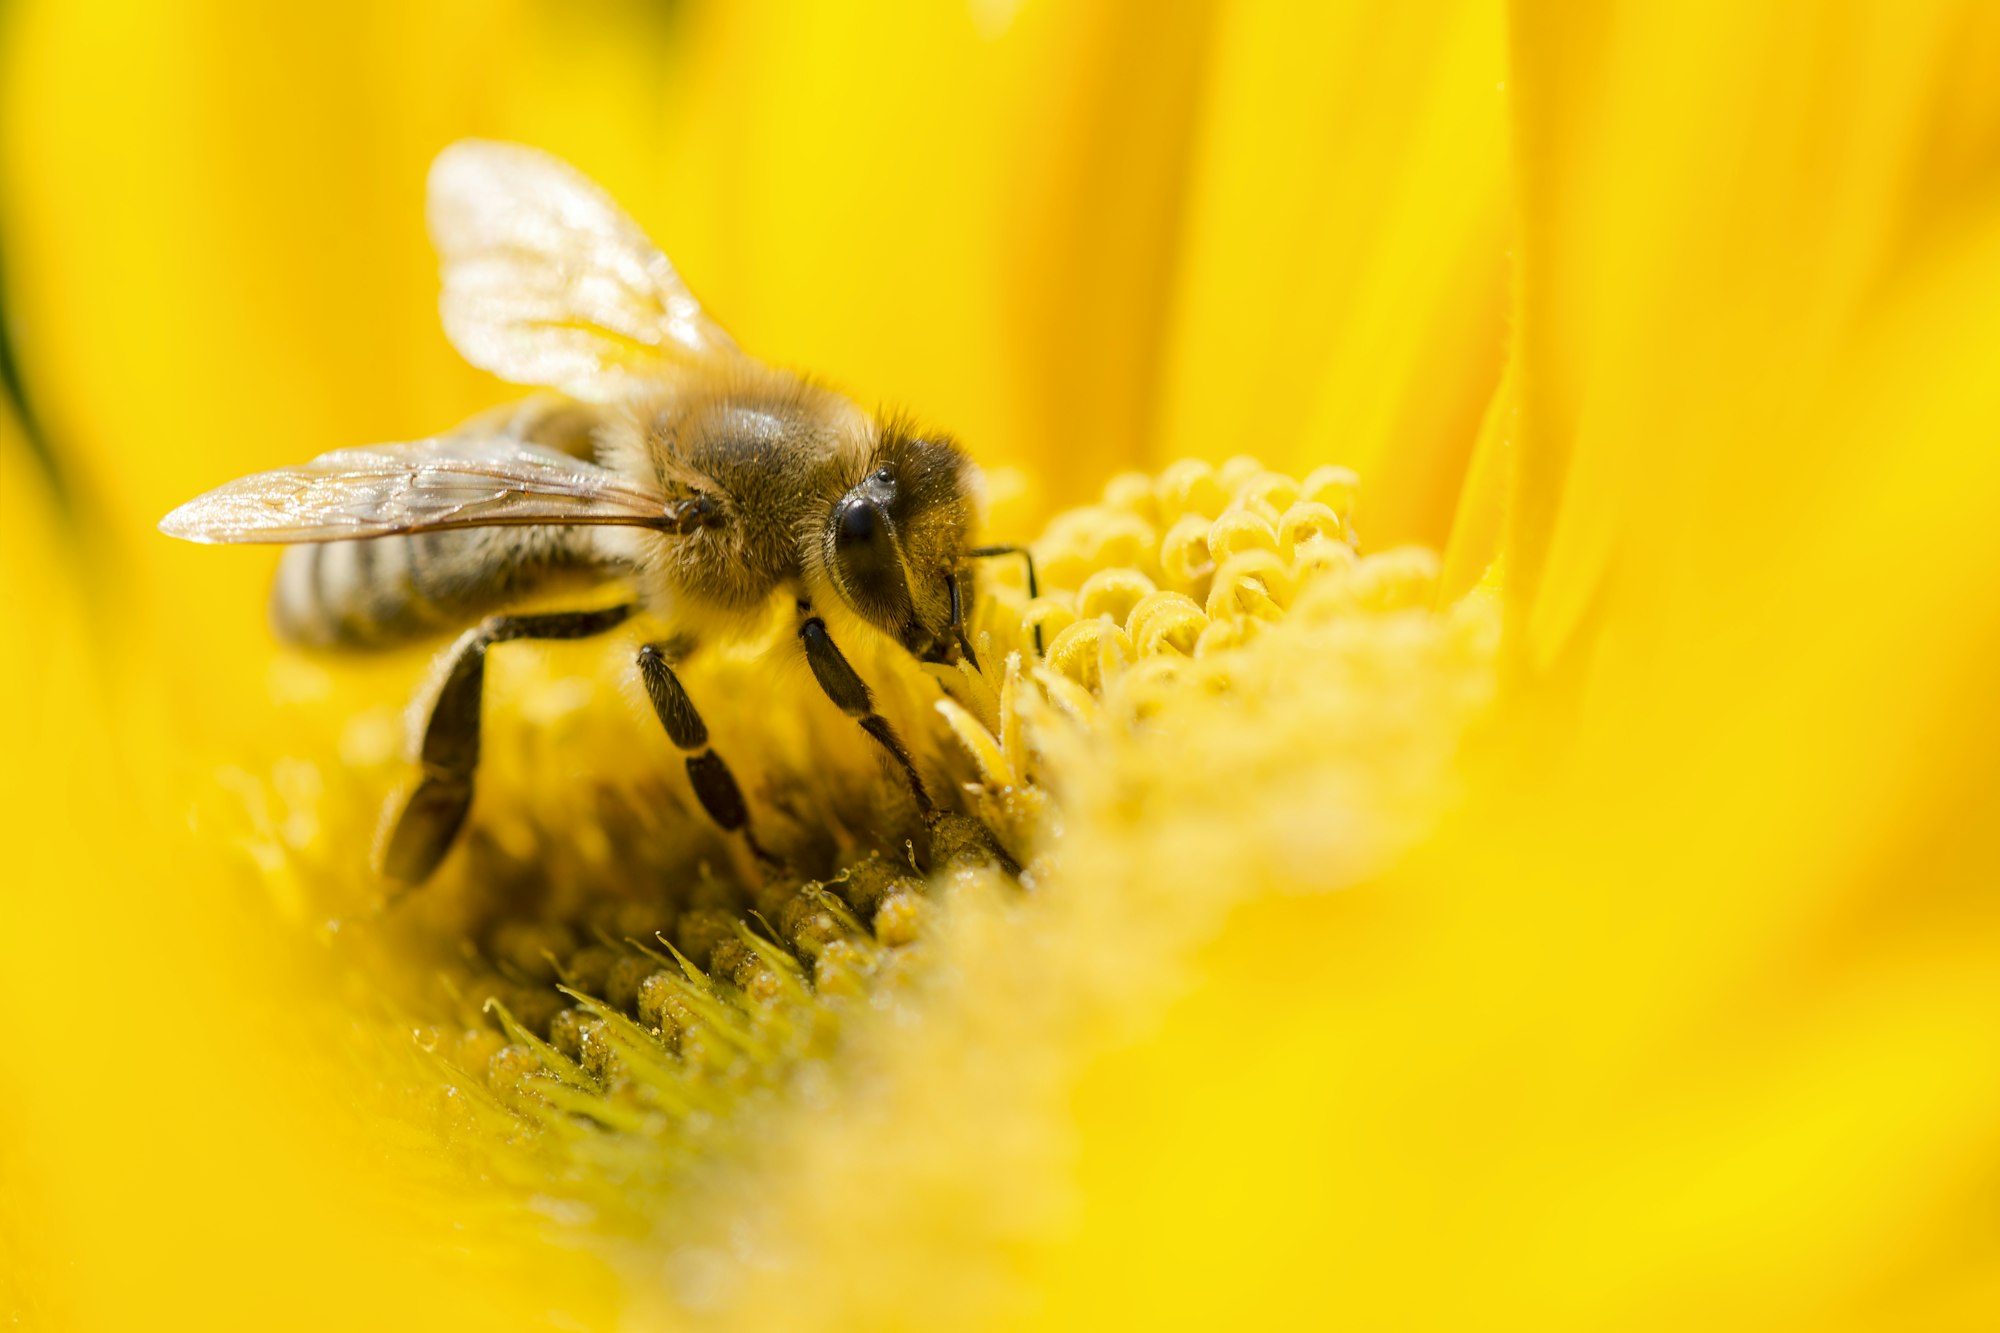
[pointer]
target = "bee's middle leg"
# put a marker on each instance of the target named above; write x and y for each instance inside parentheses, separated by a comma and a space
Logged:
(714, 785)
(430, 820)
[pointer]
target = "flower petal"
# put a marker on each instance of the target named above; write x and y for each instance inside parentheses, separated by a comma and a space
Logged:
(1696, 265)
(1341, 289)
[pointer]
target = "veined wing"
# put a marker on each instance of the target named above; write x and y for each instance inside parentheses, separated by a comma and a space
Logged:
(453, 481)
(548, 282)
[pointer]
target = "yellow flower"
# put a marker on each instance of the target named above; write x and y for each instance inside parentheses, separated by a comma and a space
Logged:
(1589, 925)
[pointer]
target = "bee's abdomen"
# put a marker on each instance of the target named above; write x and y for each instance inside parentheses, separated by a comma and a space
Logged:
(384, 591)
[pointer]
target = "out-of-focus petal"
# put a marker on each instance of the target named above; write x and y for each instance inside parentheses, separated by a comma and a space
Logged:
(213, 214)
(968, 210)
(213, 224)
(1766, 602)
(1341, 288)
(1697, 267)
(1478, 529)
(177, 1141)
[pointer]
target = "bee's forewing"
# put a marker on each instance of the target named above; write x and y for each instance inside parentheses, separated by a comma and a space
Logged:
(426, 486)
(547, 282)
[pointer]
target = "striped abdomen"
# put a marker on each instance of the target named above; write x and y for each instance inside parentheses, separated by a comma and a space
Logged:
(385, 591)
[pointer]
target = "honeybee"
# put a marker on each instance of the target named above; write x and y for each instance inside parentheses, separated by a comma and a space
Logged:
(664, 455)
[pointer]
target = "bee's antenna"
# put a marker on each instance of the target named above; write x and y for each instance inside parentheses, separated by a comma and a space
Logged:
(1034, 588)
(958, 622)
(988, 552)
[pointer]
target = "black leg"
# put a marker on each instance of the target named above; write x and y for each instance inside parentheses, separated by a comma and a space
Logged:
(988, 552)
(714, 785)
(430, 820)
(958, 622)
(1034, 587)
(851, 693)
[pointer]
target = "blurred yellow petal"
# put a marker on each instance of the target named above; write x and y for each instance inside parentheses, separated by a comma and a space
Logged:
(179, 1146)
(1478, 530)
(1775, 616)
(1697, 267)
(942, 210)
(1341, 287)
(838, 184)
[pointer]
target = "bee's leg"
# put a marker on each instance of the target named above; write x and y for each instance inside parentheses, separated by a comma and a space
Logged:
(430, 819)
(714, 785)
(949, 836)
(851, 693)
(1034, 586)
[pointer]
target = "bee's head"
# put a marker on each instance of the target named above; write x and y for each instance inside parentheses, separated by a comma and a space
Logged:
(894, 541)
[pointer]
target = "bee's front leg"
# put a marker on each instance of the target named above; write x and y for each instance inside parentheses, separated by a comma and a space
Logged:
(851, 694)
(950, 836)
(430, 819)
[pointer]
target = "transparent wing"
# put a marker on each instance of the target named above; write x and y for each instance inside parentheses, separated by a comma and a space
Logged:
(547, 282)
(453, 481)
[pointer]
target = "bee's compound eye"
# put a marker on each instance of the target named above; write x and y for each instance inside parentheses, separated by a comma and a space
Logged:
(857, 522)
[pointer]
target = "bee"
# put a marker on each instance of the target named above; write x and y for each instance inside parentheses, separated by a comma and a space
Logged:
(661, 454)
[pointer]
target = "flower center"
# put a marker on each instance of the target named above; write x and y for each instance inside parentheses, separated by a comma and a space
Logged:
(611, 1001)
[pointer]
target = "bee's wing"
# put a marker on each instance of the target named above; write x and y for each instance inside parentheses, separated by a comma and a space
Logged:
(547, 282)
(450, 482)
